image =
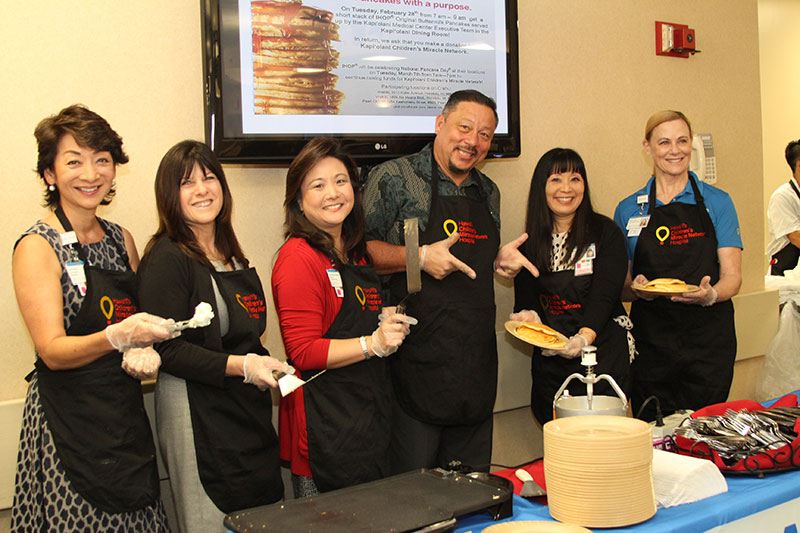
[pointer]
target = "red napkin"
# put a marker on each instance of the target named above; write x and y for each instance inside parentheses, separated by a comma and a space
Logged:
(535, 469)
(784, 457)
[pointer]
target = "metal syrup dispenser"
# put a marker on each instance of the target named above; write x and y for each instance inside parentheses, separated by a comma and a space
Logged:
(566, 405)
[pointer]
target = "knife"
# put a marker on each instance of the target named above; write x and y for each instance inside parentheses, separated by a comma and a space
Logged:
(413, 275)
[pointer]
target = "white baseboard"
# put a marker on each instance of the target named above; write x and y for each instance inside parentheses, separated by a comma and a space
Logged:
(11, 421)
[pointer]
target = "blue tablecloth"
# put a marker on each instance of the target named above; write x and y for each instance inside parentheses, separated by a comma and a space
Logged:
(746, 495)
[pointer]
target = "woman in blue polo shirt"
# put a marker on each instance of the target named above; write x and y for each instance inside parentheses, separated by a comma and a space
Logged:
(679, 227)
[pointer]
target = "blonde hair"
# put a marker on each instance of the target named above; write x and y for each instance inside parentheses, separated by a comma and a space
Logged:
(656, 119)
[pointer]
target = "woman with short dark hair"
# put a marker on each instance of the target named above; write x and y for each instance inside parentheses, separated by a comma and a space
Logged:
(86, 457)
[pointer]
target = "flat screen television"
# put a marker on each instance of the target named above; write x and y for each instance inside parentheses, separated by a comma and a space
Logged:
(373, 73)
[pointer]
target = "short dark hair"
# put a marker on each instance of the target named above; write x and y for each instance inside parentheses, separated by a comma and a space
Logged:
(89, 129)
(297, 225)
(793, 154)
(177, 164)
(539, 219)
(469, 95)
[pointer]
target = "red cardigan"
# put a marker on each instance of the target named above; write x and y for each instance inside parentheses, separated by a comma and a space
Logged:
(307, 305)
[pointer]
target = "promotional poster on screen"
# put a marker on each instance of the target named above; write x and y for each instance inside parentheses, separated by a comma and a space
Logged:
(366, 66)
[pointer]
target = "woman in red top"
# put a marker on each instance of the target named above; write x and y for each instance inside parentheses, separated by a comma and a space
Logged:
(334, 431)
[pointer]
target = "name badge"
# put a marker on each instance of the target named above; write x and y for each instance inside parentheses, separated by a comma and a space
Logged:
(68, 238)
(77, 275)
(636, 224)
(584, 266)
(336, 281)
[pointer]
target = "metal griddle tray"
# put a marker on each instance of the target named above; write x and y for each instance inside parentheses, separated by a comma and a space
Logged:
(424, 499)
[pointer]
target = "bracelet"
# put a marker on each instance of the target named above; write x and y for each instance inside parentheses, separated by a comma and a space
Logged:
(422, 256)
(363, 341)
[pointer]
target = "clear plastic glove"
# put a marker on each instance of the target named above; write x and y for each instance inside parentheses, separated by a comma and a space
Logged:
(642, 281)
(526, 315)
(258, 370)
(572, 349)
(386, 312)
(392, 329)
(706, 296)
(140, 330)
(141, 363)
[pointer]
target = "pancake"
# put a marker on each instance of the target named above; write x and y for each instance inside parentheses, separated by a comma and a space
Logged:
(284, 110)
(322, 59)
(540, 335)
(281, 99)
(667, 285)
(294, 81)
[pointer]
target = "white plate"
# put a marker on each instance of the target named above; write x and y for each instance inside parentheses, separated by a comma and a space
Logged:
(535, 526)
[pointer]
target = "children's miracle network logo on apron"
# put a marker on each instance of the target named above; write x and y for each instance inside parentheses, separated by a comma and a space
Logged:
(677, 235)
(116, 309)
(254, 305)
(466, 231)
(369, 298)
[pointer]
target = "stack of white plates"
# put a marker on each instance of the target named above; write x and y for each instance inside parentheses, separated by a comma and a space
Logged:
(599, 470)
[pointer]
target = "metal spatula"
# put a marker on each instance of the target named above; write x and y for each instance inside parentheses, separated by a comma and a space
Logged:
(413, 274)
(530, 488)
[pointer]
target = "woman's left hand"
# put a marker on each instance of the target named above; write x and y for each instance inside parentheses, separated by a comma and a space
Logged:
(141, 363)
(706, 296)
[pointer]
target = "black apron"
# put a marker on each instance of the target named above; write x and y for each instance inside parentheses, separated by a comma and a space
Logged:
(348, 409)
(235, 442)
(786, 258)
(559, 298)
(445, 373)
(686, 352)
(96, 413)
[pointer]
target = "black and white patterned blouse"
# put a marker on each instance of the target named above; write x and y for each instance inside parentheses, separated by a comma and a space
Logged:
(103, 254)
(558, 255)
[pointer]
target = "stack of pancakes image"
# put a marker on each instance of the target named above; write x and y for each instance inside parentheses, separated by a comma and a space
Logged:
(293, 59)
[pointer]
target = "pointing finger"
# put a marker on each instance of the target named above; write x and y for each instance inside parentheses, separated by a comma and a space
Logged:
(463, 267)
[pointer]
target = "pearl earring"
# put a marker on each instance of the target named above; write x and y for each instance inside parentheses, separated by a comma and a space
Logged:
(51, 187)
(113, 183)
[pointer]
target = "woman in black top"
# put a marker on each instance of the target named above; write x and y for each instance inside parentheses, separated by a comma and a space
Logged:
(582, 263)
(213, 412)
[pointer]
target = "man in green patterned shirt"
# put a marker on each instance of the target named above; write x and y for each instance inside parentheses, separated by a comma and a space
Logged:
(445, 373)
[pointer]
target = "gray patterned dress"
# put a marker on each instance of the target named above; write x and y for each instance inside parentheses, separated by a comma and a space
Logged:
(44, 499)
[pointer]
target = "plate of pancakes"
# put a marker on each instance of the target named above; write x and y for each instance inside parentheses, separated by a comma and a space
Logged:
(539, 335)
(665, 287)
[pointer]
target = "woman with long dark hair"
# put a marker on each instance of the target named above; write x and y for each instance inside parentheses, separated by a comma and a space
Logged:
(335, 429)
(86, 455)
(581, 259)
(212, 412)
